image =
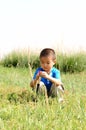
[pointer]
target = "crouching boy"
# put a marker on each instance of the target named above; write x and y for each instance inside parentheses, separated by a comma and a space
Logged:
(47, 78)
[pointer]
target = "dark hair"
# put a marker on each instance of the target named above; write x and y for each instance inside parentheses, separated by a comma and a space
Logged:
(48, 52)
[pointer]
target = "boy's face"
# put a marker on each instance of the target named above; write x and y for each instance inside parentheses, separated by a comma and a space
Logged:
(47, 63)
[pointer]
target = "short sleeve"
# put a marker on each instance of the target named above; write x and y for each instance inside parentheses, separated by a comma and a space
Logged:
(36, 72)
(57, 74)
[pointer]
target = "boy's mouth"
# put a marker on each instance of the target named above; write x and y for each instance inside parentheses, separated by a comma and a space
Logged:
(46, 69)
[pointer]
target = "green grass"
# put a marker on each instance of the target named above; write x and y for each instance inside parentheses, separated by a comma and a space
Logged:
(20, 111)
(67, 63)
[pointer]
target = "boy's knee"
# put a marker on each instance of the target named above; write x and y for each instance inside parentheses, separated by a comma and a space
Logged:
(41, 88)
(55, 90)
(61, 88)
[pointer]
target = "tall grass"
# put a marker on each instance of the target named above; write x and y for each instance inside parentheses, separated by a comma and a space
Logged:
(66, 63)
(72, 63)
(20, 59)
(20, 111)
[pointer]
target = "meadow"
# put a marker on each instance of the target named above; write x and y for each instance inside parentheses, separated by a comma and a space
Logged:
(22, 109)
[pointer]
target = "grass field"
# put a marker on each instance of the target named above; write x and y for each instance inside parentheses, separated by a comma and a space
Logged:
(19, 109)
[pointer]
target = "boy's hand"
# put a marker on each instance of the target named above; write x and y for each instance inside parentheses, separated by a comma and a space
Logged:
(43, 74)
(37, 76)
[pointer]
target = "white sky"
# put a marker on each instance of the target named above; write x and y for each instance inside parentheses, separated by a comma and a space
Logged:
(42, 23)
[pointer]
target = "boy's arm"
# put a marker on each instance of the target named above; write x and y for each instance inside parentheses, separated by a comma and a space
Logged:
(52, 79)
(34, 81)
(57, 82)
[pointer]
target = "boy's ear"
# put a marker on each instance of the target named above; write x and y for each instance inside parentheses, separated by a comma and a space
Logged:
(54, 61)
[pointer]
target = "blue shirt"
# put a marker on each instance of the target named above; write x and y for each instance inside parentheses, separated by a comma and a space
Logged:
(55, 73)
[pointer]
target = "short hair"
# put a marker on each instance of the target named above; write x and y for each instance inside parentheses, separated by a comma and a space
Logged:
(48, 52)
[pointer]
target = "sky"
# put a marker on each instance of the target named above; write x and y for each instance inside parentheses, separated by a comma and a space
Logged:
(38, 24)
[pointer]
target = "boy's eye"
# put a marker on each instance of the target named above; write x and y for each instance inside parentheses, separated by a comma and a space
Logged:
(45, 63)
(48, 62)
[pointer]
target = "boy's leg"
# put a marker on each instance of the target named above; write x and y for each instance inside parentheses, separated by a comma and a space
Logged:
(56, 90)
(53, 90)
(41, 88)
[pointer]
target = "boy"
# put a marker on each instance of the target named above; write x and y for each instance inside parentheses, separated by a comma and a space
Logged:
(47, 78)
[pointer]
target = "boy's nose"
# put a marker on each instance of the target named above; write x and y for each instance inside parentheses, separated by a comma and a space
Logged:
(45, 65)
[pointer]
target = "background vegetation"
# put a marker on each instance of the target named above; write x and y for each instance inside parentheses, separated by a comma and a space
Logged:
(66, 63)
